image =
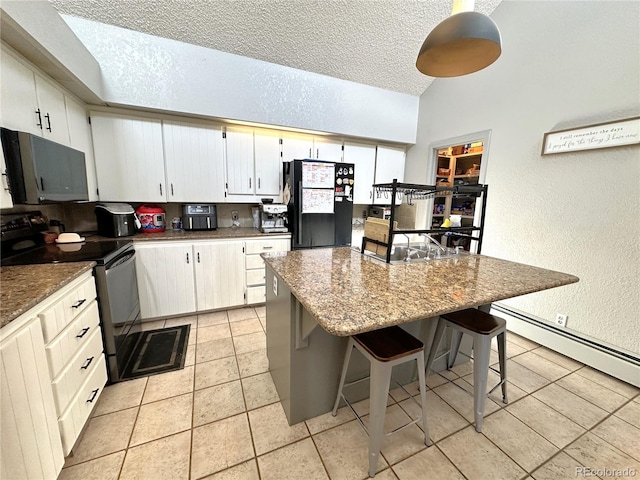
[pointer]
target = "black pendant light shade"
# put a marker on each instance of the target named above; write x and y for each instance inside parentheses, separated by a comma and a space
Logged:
(461, 44)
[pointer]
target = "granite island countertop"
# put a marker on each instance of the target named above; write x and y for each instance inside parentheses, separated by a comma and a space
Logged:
(190, 235)
(350, 293)
(23, 287)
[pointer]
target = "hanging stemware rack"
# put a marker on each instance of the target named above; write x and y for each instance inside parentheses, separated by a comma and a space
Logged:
(412, 192)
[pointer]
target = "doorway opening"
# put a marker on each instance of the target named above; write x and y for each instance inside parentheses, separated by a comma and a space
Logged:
(457, 161)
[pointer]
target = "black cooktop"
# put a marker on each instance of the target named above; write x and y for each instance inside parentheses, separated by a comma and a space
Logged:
(100, 252)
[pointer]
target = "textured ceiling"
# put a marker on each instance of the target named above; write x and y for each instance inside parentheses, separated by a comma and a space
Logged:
(374, 42)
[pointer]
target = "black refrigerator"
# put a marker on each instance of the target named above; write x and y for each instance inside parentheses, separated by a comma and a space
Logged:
(319, 199)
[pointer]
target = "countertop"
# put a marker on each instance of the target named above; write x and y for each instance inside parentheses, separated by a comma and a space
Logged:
(350, 293)
(23, 287)
(184, 235)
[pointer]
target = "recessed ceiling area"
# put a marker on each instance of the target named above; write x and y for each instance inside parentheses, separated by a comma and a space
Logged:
(372, 42)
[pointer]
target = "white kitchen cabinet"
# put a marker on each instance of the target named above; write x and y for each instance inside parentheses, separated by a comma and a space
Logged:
(240, 160)
(254, 164)
(327, 149)
(194, 160)
(30, 444)
(389, 166)
(80, 139)
(18, 95)
(254, 265)
(53, 112)
(129, 158)
(268, 162)
(219, 273)
(363, 157)
(300, 146)
(165, 276)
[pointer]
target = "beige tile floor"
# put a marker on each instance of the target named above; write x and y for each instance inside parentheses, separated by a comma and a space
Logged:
(219, 418)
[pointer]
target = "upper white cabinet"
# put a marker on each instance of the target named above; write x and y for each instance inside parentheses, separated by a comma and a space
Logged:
(52, 114)
(80, 139)
(129, 158)
(389, 166)
(31, 103)
(300, 146)
(363, 157)
(194, 159)
(268, 162)
(18, 95)
(240, 158)
(254, 164)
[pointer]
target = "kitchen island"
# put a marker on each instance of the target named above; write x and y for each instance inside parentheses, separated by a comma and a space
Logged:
(317, 298)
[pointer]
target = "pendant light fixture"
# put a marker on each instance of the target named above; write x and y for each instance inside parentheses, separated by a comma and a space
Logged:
(464, 43)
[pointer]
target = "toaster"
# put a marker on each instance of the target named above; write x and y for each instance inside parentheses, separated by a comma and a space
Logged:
(115, 219)
(199, 217)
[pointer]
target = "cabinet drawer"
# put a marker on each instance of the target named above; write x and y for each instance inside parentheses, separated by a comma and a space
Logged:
(256, 295)
(254, 261)
(255, 277)
(74, 337)
(55, 318)
(76, 415)
(66, 385)
(264, 246)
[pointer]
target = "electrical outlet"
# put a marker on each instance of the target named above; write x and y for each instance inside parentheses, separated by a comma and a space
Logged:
(234, 215)
(561, 319)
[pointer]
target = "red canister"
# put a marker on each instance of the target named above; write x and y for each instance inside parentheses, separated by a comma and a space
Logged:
(151, 218)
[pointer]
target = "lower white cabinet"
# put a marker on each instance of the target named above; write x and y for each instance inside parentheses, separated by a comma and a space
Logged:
(166, 283)
(30, 444)
(52, 372)
(219, 272)
(254, 265)
(176, 278)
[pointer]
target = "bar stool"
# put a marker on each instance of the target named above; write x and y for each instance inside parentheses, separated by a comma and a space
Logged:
(384, 348)
(482, 327)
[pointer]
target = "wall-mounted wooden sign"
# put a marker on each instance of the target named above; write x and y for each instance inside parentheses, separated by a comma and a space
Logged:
(591, 137)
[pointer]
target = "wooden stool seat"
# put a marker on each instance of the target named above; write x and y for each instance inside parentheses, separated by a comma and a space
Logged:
(476, 321)
(389, 343)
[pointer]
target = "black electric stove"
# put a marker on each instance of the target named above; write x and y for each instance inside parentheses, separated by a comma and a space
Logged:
(115, 276)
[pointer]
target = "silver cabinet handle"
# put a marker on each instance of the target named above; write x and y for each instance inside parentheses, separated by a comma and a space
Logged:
(198, 257)
(160, 189)
(249, 182)
(187, 258)
(172, 189)
(39, 124)
(48, 121)
(267, 248)
(258, 182)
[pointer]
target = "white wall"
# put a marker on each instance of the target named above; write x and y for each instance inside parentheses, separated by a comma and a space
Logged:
(142, 70)
(564, 63)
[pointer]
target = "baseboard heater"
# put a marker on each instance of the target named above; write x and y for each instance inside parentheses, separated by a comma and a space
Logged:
(622, 365)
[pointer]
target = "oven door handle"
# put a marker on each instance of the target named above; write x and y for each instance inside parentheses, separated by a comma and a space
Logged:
(121, 260)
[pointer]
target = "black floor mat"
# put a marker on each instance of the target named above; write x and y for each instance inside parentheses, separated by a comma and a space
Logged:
(158, 351)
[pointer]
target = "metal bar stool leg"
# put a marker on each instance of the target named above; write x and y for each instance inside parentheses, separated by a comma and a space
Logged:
(345, 367)
(423, 399)
(481, 349)
(378, 393)
(502, 354)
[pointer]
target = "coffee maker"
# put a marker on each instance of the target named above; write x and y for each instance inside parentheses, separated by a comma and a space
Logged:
(272, 218)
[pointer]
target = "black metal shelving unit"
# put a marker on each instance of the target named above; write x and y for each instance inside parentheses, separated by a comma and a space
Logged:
(414, 191)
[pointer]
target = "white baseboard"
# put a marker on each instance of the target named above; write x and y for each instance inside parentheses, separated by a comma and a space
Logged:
(618, 364)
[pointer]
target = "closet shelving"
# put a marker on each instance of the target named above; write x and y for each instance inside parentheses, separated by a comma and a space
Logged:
(413, 191)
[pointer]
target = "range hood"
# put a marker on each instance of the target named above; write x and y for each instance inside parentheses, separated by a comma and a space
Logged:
(42, 171)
